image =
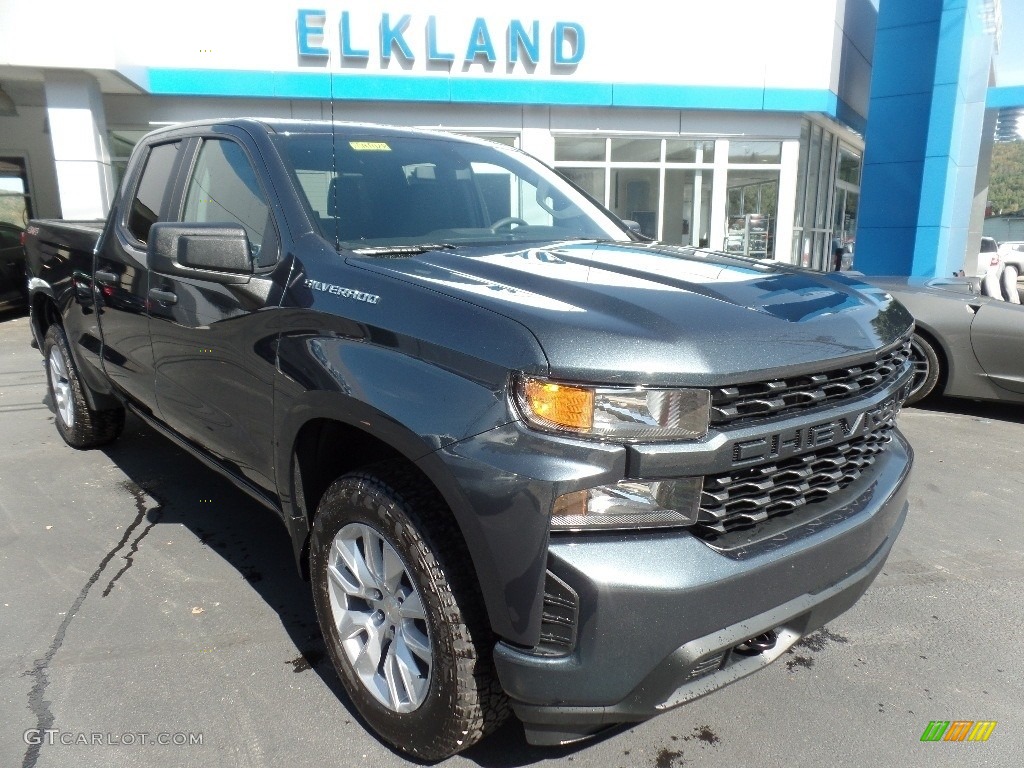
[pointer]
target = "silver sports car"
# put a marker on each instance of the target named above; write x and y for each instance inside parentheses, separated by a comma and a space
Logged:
(966, 344)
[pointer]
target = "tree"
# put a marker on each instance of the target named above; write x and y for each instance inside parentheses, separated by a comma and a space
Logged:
(1006, 181)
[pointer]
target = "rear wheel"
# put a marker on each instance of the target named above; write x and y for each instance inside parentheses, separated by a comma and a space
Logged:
(926, 369)
(404, 625)
(78, 424)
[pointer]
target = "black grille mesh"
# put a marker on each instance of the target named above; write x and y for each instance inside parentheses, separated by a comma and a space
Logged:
(559, 618)
(732, 405)
(744, 497)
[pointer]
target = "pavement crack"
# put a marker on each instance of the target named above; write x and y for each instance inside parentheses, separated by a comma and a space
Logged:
(130, 557)
(39, 706)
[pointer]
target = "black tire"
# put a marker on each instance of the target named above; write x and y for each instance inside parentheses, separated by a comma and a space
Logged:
(927, 369)
(79, 425)
(462, 700)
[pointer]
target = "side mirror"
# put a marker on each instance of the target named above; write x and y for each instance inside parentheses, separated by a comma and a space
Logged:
(215, 252)
(632, 226)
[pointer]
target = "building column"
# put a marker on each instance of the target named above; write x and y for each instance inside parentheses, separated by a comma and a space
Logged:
(929, 79)
(78, 132)
(785, 217)
(719, 196)
(536, 137)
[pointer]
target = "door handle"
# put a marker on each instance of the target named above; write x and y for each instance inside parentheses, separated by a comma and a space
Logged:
(107, 277)
(165, 297)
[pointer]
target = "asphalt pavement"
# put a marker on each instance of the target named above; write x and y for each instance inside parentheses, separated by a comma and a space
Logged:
(151, 615)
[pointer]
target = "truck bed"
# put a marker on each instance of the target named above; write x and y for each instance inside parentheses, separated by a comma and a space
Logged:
(56, 247)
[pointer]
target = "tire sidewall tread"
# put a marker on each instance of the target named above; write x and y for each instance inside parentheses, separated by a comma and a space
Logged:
(91, 428)
(934, 370)
(464, 701)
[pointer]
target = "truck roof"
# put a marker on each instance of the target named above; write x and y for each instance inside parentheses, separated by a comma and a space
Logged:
(291, 125)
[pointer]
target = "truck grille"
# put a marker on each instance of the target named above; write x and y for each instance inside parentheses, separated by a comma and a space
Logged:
(732, 405)
(745, 497)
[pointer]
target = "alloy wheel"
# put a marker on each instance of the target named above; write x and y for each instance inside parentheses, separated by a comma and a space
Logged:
(61, 387)
(379, 615)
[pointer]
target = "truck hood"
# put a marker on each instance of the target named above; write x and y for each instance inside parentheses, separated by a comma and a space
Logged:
(610, 312)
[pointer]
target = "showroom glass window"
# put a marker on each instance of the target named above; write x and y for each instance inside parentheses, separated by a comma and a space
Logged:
(664, 185)
(827, 198)
(752, 190)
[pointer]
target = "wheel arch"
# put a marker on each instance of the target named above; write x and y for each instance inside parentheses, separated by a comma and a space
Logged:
(43, 312)
(313, 463)
(941, 351)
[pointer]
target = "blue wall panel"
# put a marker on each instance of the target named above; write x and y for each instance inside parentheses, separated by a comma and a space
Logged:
(903, 13)
(931, 66)
(905, 122)
(904, 59)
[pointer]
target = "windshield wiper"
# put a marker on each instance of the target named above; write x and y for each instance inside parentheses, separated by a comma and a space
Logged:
(403, 250)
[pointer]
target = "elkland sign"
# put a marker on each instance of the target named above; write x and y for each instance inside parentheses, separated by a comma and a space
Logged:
(407, 38)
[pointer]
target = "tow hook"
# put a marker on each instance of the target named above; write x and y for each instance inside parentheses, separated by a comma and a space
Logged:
(759, 644)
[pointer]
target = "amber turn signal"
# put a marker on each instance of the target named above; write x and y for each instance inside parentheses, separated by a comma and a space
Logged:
(560, 405)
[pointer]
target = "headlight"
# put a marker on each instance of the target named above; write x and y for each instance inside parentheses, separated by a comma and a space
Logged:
(630, 504)
(624, 413)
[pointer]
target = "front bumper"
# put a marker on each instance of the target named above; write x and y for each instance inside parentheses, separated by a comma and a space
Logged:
(653, 637)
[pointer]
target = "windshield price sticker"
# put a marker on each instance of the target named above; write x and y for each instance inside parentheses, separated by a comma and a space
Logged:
(369, 146)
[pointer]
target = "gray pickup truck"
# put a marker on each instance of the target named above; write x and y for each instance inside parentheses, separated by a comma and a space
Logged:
(529, 461)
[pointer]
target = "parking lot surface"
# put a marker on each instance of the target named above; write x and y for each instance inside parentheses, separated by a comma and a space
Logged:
(151, 615)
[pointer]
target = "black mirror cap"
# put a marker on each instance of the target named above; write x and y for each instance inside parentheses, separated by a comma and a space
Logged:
(215, 252)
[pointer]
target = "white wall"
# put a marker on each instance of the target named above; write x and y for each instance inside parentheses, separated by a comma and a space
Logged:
(732, 43)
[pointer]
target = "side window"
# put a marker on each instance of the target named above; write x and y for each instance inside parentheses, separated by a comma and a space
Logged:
(151, 194)
(223, 189)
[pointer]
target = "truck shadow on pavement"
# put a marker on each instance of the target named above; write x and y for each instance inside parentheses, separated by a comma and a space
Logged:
(254, 542)
(980, 409)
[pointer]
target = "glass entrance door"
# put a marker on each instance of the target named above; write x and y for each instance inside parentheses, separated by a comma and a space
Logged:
(687, 212)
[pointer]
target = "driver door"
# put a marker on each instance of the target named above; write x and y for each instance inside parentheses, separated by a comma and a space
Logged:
(997, 335)
(213, 351)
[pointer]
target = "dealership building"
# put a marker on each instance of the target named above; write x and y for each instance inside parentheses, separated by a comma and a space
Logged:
(736, 125)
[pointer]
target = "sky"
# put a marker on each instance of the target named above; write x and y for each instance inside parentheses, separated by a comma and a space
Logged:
(1010, 59)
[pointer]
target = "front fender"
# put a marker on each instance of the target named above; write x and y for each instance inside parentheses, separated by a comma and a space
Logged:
(413, 406)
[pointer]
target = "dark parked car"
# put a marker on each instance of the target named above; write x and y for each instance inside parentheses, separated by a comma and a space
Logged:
(965, 344)
(13, 286)
(530, 463)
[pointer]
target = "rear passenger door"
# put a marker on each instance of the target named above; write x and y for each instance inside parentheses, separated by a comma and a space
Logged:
(213, 347)
(122, 273)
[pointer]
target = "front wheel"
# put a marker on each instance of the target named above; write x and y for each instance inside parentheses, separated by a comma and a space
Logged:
(405, 627)
(77, 423)
(926, 369)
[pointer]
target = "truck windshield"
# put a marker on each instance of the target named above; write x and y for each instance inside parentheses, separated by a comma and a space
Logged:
(369, 192)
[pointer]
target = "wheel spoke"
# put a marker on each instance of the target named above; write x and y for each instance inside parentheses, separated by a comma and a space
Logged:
(415, 640)
(373, 546)
(393, 678)
(412, 607)
(352, 623)
(57, 364)
(367, 661)
(340, 580)
(363, 582)
(393, 570)
(414, 683)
